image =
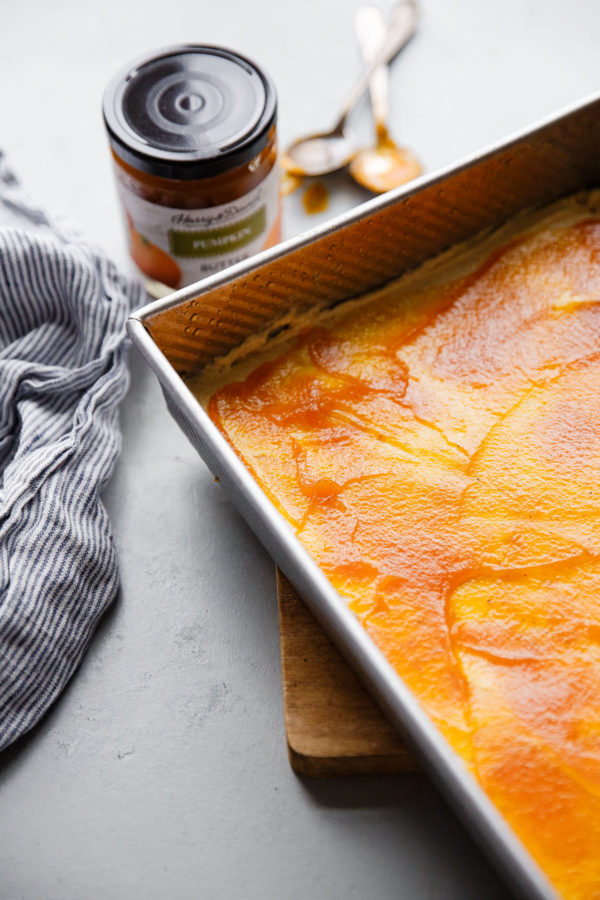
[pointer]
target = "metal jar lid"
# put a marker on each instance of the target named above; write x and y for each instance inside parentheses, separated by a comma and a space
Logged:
(189, 111)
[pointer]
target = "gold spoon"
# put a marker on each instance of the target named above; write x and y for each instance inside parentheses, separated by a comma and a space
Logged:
(386, 165)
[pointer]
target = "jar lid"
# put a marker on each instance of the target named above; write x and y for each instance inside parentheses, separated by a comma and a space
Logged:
(189, 111)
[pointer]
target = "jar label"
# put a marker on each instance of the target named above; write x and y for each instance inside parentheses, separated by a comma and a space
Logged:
(180, 246)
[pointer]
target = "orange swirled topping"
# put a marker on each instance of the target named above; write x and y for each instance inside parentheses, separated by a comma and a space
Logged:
(439, 455)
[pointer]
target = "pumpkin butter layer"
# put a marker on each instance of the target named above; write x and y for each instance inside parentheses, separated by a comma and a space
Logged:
(437, 450)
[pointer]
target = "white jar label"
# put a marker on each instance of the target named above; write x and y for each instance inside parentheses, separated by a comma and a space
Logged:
(180, 246)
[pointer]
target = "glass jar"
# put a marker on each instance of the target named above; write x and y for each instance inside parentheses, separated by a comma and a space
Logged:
(192, 130)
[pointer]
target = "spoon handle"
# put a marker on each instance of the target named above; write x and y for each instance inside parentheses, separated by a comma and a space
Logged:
(401, 28)
(370, 32)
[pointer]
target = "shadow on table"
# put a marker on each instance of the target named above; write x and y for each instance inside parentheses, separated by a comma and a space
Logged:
(354, 792)
(425, 818)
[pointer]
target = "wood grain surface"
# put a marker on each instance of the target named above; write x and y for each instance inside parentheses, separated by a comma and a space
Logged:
(333, 726)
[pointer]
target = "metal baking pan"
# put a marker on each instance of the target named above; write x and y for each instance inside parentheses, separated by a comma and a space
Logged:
(349, 256)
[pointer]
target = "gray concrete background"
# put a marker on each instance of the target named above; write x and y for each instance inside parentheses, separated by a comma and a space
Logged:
(162, 771)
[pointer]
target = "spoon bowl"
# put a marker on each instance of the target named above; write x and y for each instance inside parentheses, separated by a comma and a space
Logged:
(318, 154)
(384, 166)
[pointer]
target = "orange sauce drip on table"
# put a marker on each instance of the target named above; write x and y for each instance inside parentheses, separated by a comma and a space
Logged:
(289, 183)
(315, 198)
(440, 459)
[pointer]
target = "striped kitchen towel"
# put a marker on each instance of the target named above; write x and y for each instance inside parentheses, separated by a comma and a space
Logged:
(63, 307)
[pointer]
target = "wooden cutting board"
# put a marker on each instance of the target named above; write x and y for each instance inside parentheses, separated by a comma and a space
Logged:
(333, 727)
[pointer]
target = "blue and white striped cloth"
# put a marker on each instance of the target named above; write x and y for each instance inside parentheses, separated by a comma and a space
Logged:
(63, 308)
